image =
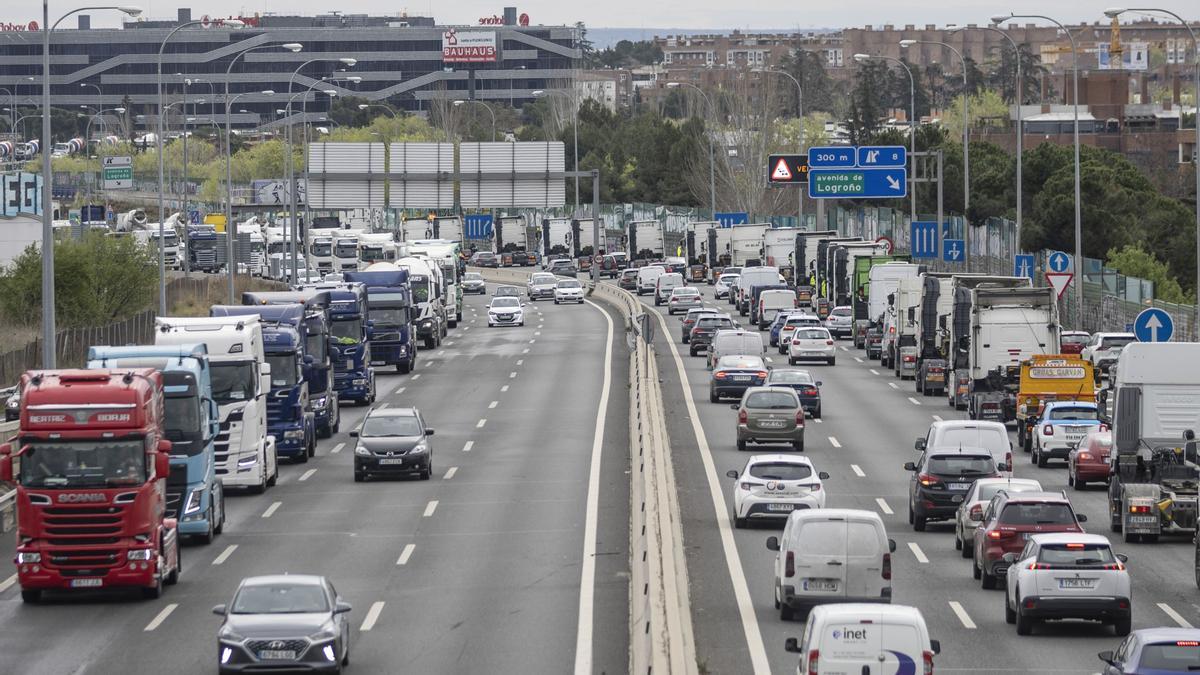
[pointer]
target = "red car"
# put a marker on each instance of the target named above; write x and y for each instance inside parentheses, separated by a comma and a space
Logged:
(1073, 341)
(1009, 520)
(1088, 460)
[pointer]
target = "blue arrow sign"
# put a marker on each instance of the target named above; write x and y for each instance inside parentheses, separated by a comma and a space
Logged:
(1023, 266)
(1058, 261)
(836, 157)
(194, 217)
(857, 183)
(732, 218)
(953, 250)
(477, 227)
(882, 156)
(1153, 325)
(924, 239)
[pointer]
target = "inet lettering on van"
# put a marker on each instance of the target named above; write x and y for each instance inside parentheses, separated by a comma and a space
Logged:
(850, 634)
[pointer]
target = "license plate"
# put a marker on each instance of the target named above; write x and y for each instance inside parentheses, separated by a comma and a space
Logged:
(741, 378)
(781, 507)
(960, 486)
(87, 583)
(827, 585)
(1076, 583)
(935, 378)
(396, 460)
(1075, 437)
(1143, 520)
(280, 654)
(812, 353)
(771, 424)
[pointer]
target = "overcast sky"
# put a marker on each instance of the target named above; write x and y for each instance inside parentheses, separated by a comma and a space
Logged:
(695, 14)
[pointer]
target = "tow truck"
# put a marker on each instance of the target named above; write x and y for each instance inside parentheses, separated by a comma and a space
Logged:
(1046, 378)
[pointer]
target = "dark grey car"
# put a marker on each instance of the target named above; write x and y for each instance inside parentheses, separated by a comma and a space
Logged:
(393, 441)
(294, 622)
(770, 415)
(473, 282)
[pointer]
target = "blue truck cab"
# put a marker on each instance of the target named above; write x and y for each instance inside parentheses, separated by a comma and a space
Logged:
(350, 342)
(390, 313)
(194, 493)
(202, 245)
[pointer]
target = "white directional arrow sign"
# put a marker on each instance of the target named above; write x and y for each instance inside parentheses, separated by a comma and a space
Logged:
(893, 183)
(1154, 325)
(872, 157)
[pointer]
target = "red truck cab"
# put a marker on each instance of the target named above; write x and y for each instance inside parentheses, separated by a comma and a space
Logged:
(91, 464)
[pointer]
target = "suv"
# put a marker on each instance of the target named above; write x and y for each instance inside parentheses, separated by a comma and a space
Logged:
(702, 333)
(1062, 425)
(841, 322)
(940, 480)
(1009, 520)
(1104, 349)
(1067, 576)
(628, 279)
(563, 267)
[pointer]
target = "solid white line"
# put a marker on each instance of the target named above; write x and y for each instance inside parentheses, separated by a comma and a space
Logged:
(1175, 616)
(337, 448)
(7, 583)
(874, 372)
(587, 573)
(160, 617)
(834, 442)
(914, 401)
(512, 375)
(430, 508)
(893, 385)
(225, 554)
(883, 506)
(503, 389)
(406, 554)
(468, 446)
(450, 473)
(859, 359)
(493, 404)
(857, 471)
(917, 552)
(962, 615)
(417, 376)
(480, 423)
(271, 509)
(372, 616)
(937, 418)
(307, 474)
(520, 362)
(733, 561)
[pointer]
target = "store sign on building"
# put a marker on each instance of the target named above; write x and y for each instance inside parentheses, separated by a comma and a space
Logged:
(497, 20)
(31, 27)
(468, 46)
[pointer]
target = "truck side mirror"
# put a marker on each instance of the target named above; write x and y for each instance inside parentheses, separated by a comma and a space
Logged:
(5, 449)
(919, 444)
(264, 379)
(162, 465)
(164, 446)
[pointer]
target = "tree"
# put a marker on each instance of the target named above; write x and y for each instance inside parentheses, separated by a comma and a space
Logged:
(809, 69)
(627, 54)
(586, 48)
(1134, 261)
(1004, 76)
(865, 111)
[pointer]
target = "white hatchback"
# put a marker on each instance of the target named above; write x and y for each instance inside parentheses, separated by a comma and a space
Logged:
(506, 311)
(1070, 575)
(811, 344)
(568, 290)
(772, 486)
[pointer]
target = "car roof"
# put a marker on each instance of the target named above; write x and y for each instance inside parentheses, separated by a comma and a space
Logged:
(1128, 335)
(392, 412)
(853, 611)
(1074, 332)
(685, 289)
(1038, 496)
(1070, 404)
(779, 458)
(1070, 538)
(703, 310)
(1007, 481)
(829, 514)
(297, 579)
(1166, 634)
(757, 390)
(968, 424)
(948, 450)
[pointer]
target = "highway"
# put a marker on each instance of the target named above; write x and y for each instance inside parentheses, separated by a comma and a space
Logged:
(476, 570)
(870, 421)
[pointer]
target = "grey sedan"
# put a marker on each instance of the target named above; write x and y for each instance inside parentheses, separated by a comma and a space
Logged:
(770, 415)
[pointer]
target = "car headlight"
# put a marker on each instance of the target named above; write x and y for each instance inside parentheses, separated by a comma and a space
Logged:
(230, 635)
(29, 558)
(326, 633)
(140, 554)
(419, 448)
(362, 451)
(13, 403)
(193, 502)
(320, 402)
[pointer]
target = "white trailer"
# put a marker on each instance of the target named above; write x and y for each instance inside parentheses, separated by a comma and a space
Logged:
(449, 228)
(557, 238)
(1008, 326)
(779, 245)
(746, 244)
(646, 240)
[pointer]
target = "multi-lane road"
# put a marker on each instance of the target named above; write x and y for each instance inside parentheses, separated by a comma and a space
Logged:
(479, 569)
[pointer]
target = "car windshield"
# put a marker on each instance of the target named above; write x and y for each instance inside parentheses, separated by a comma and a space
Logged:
(1113, 342)
(472, 276)
(346, 330)
(841, 311)
(685, 291)
(569, 284)
(728, 279)
(391, 425)
(506, 303)
(747, 362)
(629, 273)
(505, 291)
(1079, 413)
(962, 465)
(780, 470)
(1075, 339)
(771, 400)
(233, 381)
(708, 323)
(811, 334)
(281, 598)
(75, 464)
(1077, 555)
(986, 492)
(1037, 513)
(1181, 656)
(789, 377)
(283, 370)
(543, 279)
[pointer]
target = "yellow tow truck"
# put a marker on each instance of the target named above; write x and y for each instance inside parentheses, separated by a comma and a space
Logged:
(1050, 377)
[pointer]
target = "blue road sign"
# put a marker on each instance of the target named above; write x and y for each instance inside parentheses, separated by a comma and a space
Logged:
(1023, 266)
(882, 156)
(954, 250)
(857, 183)
(924, 239)
(732, 218)
(836, 157)
(1153, 325)
(477, 227)
(1058, 261)
(194, 216)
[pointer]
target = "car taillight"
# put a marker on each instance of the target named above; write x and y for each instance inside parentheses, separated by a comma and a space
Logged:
(1139, 509)
(761, 373)
(999, 534)
(927, 658)
(1084, 456)
(887, 566)
(810, 391)
(1008, 460)
(800, 417)
(1048, 430)
(789, 565)
(910, 358)
(796, 341)
(813, 656)
(1040, 566)
(927, 480)
(977, 509)
(743, 417)
(829, 342)
(1103, 428)
(720, 375)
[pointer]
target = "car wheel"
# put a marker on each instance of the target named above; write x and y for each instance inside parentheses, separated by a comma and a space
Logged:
(833, 362)
(1024, 624)
(1041, 460)
(1122, 626)
(987, 581)
(798, 447)
(791, 361)
(785, 612)
(741, 445)
(1071, 479)
(359, 476)
(1010, 614)
(910, 513)
(817, 413)
(713, 397)
(739, 523)
(958, 545)
(974, 569)
(968, 551)
(918, 522)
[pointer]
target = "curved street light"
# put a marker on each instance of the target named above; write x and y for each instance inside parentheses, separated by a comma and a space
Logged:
(912, 126)
(462, 102)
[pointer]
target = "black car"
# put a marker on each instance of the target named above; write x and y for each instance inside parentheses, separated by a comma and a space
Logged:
(472, 282)
(941, 479)
(284, 622)
(702, 333)
(485, 259)
(807, 388)
(393, 441)
(562, 267)
(733, 375)
(688, 321)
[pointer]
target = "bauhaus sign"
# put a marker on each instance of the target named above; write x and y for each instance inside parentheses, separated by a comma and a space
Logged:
(468, 46)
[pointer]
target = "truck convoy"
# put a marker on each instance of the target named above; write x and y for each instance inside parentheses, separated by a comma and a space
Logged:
(557, 237)
(424, 279)
(646, 240)
(195, 498)
(933, 316)
(746, 244)
(444, 254)
(841, 267)
(875, 279)
(345, 250)
(91, 507)
(389, 315)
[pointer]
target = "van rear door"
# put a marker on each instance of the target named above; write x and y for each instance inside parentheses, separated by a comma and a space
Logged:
(865, 550)
(870, 647)
(819, 548)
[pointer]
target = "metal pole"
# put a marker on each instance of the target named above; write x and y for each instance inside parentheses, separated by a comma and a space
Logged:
(575, 132)
(183, 186)
(229, 187)
(941, 211)
(596, 226)
(49, 351)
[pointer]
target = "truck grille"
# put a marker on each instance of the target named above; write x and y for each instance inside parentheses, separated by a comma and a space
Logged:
(221, 445)
(176, 487)
(386, 337)
(83, 525)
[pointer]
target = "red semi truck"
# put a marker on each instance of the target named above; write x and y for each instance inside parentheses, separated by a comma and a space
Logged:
(91, 463)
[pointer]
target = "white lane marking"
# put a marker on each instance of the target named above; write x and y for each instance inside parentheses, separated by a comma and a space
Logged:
(381, 406)
(337, 448)
(525, 351)
(816, 420)
(406, 554)
(844, 349)
(399, 391)
(430, 508)
(493, 404)
(307, 474)
(520, 362)
(733, 560)
(441, 352)
(917, 552)
(372, 616)
(160, 617)
(834, 442)
(468, 327)
(874, 372)
(857, 471)
(859, 359)
(468, 446)
(532, 341)
(450, 473)
(937, 418)
(537, 332)
(449, 342)
(587, 575)
(225, 554)
(512, 375)
(503, 389)
(893, 385)
(480, 423)
(1175, 616)
(7, 583)
(962, 615)
(272, 509)
(416, 376)
(913, 401)
(883, 506)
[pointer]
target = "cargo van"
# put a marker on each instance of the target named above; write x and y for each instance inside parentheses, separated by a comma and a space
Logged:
(647, 278)
(831, 555)
(735, 342)
(771, 303)
(865, 638)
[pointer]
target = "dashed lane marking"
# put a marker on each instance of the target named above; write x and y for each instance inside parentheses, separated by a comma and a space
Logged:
(467, 447)
(532, 341)
(372, 616)
(917, 552)
(416, 377)
(337, 448)
(834, 442)
(913, 401)
(816, 420)
(525, 351)
(430, 508)
(520, 362)
(893, 385)
(883, 506)
(399, 391)
(307, 474)
(450, 473)
(874, 372)
(859, 359)
(1175, 616)
(225, 554)
(936, 418)
(271, 509)
(160, 617)
(493, 404)
(7, 583)
(503, 389)
(512, 375)
(857, 471)
(406, 554)
(962, 615)
(480, 423)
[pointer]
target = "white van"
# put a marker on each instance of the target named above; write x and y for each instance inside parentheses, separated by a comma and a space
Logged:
(750, 277)
(771, 303)
(831, 555)
(865, 638)
(739, 342)
(647, 278)
(990, 436)
(663, 285)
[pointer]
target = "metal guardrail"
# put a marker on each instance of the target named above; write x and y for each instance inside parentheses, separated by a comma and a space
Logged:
(8, 510)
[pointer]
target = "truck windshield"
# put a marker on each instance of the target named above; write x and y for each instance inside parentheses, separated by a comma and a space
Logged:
(371, 253)
(83, 463)
(181, 423)
(346, 329)
(314, 343)
(233, 381)
(321, 248)
(347, 249)
(389, 316)
(283, 370)
(420, 292)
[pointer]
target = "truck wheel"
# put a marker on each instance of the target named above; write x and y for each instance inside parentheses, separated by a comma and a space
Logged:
(1131, 538)
(154, 592)
(31, 597)
(207, 537)
(274, 474)
(403, 368)
(173, 577)
(220, 521)
(302, 458)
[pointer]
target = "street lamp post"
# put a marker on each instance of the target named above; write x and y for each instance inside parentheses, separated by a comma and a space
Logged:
(712, 153)
(575, 130)
(12, 109)
(912, 127)
(49, 351)
(1075, 100)
(87, 138)
(391, 113)
(799, 114)
(100, 103)
(331, 93)
(489, 109)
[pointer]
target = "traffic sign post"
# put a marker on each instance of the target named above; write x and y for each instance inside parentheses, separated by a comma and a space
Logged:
(860, 183)
(924, 239)
(732, 218)
(787, 169)
(1058, 261)
(1023, 266)
(1153, 325)
(117, 173)
(953, 250)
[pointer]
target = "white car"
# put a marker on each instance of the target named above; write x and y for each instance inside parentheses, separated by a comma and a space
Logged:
(1070, 575)
(811, 344)
(724, 283)
(568, 290)
(683, 298)
(1062, 425)
(840, 321)
(541, 285)
(970, 511)
(1104, 349)
(772, 486)
(506, 311)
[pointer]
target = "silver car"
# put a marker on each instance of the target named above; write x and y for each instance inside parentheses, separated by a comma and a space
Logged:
(724, 283)
(840, 321)
(684, 298)
(541, 285)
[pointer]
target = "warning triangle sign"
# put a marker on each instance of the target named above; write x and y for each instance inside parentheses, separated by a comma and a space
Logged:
(781, 172)
(1059, 281)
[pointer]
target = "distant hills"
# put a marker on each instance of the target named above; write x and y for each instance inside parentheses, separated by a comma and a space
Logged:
(607, 37)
